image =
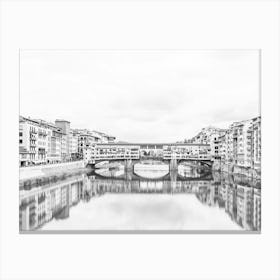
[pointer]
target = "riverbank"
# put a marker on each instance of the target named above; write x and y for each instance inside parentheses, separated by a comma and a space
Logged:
(49, 170)
(234, 169)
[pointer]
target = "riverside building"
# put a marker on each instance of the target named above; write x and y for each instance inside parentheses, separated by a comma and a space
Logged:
(210, 135)
(73, 145)
(241, 144)
(33, 141)
(42, 142)
(238, 147)
(65, 140)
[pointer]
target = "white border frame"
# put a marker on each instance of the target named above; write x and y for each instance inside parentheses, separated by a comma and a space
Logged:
(155, 24)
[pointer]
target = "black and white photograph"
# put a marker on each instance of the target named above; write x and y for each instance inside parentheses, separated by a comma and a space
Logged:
(140, 140)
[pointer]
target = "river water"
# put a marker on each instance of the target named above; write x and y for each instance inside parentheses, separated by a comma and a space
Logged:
(146, 198)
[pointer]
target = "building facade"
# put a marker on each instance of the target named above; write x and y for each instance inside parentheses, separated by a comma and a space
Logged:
(73, 145)
(33, 141)
(210, 135)
(55, 147)
(65, 140)
(241, 144)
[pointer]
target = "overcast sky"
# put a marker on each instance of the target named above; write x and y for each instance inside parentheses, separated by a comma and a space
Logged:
(141, 95)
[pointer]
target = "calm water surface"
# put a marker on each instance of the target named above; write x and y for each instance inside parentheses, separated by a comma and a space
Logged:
(148, 198)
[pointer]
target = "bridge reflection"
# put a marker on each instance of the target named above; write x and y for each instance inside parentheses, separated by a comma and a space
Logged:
(238, 196)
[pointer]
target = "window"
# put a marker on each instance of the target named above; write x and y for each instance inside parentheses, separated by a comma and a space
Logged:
(20, 141)
(20, 134)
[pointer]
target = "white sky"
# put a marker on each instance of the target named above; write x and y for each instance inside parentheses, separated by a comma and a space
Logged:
(139, 96)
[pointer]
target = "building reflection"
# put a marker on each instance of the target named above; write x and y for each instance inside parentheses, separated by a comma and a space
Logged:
(238, 197)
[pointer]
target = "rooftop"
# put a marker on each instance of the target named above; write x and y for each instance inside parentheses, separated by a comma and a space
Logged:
(61, 120)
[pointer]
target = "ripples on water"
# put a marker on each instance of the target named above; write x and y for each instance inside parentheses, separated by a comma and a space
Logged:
(148, 198)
